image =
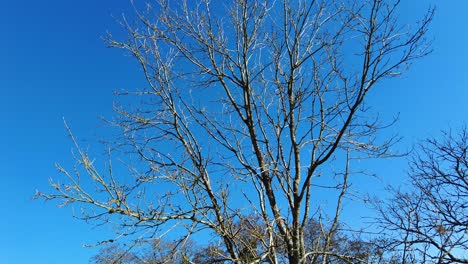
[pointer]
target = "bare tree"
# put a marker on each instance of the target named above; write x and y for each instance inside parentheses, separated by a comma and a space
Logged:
(114, 254)
(341, 248)
(430, 222)
(153, 252)
(247, 103)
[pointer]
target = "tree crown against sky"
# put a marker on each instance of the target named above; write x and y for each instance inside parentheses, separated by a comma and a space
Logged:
(428, 223)
(246, 106)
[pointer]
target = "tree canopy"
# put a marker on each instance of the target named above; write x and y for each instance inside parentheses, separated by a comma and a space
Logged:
(429, 222)
(247, 104)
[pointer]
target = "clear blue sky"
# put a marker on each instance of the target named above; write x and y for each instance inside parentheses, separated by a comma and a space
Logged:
(54, 64)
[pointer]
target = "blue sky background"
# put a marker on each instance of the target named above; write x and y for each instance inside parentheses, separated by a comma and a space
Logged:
(54, 64)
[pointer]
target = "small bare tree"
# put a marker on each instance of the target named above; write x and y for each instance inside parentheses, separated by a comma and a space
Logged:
(247, 102)
(430, 222)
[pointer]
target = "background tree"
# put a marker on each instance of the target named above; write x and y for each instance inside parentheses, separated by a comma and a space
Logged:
(152, 252)
(344, 248)
(115, 254)
(429, 222)
(247, 104)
